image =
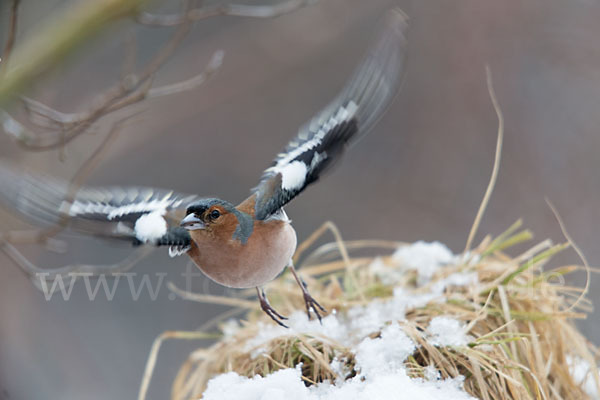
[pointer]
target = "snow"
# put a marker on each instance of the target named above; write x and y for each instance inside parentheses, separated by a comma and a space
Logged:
(379, 361)
(582, 375)
(456, 279)
(387, 276)
(230, 327)
(348, 328)
(426, 258)
(283, 384)
(382, 376)
(386, 354)
(445, 331)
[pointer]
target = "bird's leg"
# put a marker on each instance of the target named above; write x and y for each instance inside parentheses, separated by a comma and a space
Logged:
(309, 301)
(327, 226)
(266, 307)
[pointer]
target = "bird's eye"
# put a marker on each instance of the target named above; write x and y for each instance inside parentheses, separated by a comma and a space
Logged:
(214, 214)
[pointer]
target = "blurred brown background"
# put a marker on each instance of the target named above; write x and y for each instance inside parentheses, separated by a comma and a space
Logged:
(420, 175)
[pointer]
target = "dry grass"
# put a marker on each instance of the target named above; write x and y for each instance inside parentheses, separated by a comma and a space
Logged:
(520, 316)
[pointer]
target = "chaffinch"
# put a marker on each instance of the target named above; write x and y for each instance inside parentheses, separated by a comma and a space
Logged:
(241, 246)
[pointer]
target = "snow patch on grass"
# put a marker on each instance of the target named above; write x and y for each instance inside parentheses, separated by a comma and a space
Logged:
(445, 331)
(582, 375)
(423, 257)
(382, 375)
(379, 361)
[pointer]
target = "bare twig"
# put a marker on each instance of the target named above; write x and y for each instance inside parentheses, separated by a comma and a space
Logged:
(213, 65)
(12, 35)
(212, 299)
(129, 58)
(37, 274)
(85, 170)
(33, 271)
(73, 125)
(46, 117)
(496, 168)
(133, 89)
(92, 162)
(234, 10)
(59, 128)
(59, 37)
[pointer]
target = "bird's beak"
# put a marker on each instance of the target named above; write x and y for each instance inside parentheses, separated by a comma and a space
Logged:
(191, 222)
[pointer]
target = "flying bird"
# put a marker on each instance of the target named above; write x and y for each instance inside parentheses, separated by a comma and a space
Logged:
(238, 246)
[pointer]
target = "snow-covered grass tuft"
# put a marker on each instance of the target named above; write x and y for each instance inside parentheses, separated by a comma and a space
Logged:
(424, 323)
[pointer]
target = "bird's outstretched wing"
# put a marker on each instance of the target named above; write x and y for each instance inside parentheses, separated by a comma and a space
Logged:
(136, 214)
(352, 114)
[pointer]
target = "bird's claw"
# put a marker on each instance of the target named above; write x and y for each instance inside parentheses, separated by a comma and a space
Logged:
(309, 301)
(312, 304)
(269, 310)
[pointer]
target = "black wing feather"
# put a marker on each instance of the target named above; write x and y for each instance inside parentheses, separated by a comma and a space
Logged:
(106, 212)
(321, 142)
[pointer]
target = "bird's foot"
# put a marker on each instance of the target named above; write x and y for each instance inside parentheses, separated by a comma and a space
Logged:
(312, 305)
(309, 301)
(269, 310)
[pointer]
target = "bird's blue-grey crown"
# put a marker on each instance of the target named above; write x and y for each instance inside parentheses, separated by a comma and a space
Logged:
(195, 210)
(200, 206)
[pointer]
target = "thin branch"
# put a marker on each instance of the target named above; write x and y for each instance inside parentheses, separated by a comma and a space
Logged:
(57, 38)
(12, 35)
(234, 10)
(8, 239)
(129, 58)
(213, 65)
(113, 99)
(496, 168)
(58, 128)
(85, 171)
(134, 89)
(46, 117)
(212, 299)
(92, 162)
(37, 274)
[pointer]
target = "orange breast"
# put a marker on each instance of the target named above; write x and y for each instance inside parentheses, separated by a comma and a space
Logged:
(231, 263)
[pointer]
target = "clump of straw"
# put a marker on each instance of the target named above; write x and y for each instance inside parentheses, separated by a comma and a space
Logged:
(519, 318)
(518, 315)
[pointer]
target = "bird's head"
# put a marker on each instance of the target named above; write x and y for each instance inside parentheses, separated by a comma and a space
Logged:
(215, 217)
